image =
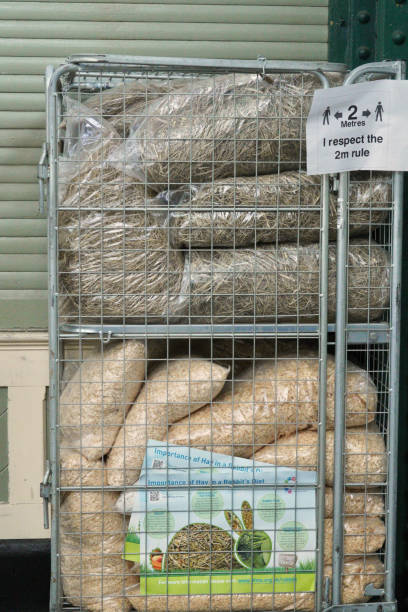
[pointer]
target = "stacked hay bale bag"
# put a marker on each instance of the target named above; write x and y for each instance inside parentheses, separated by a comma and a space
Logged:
(153, 228)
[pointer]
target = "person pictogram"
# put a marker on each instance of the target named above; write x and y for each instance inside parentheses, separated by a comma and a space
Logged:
(326, 116)
(379, 111)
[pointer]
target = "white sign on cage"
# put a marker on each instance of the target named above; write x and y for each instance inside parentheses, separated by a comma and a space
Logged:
(358, 127)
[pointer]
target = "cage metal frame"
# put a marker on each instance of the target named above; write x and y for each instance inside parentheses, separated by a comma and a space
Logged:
(345, 333)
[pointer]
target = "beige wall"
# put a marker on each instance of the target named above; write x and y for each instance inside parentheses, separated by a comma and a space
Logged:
(24, 370)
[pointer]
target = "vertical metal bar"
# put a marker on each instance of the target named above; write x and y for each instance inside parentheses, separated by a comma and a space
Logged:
(339, 389)
(53, 342)
(323, 327)
(394, 385)
(398, 69)
(324, 286)
(53, 327)
(394, 367)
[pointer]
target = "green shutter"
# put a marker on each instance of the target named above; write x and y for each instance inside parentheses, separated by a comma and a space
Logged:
(35, 34)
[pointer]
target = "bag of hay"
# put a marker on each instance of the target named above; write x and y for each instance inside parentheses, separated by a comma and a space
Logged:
(365, 454)
(277, 398)
(95, 401)
(124, 103)
(115, 258)
(233, 124)
(280, 283)
(172, 390)
(88, 140)
(281, 207)
(119, 264)
(361, 533)
(78, 471)
(95, 577)
(356, 503)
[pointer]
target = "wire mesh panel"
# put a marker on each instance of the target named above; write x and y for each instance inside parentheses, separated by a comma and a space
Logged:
(193, 282)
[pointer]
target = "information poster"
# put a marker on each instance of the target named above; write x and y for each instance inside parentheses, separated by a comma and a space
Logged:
(209, 523)
(358, 127)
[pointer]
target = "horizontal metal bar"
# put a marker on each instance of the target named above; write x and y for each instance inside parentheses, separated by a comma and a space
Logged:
(357, 333)
(128, 62)
(374, 606)
(187, 487)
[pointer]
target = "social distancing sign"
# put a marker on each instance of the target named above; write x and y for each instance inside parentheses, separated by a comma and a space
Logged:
(358, 127)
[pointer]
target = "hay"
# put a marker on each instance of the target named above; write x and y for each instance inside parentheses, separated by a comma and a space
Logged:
(88, 142)
(281, 283)
(227, 125)
(276, 398)
(112, 262)
(201, 547)
(121, 103)
(95, 184)
(173, 390)
(358, 573)
(294, 190)
(369, 503)
(117, 264)
(94, 403)
(365, 454)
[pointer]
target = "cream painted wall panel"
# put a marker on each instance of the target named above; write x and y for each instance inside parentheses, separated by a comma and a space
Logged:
(22, 521)
(24, 370)
(26, 443)
(24, 366)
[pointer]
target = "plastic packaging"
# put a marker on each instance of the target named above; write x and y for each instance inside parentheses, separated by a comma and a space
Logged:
(119, 264)
(228, 125)
(94, 576)
(361, 533)
(294, 215)
(122, 104)
(78, 471)
(370, 503)
(95, 401)
(172, 391)
(365, 455)
(276, 399)
(281, 283)
(88, 141)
